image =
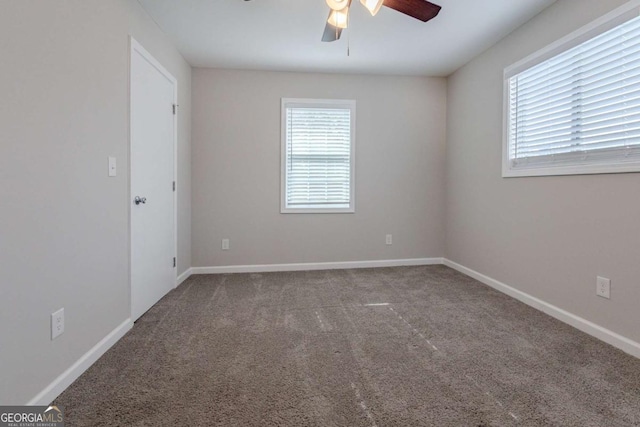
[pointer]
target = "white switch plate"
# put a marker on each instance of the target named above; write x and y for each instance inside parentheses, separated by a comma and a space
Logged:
(112, 166)
(389, 240)
(603, 287)
(57, 323)
(225, 244)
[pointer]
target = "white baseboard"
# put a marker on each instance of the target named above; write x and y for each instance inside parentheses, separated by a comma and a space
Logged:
(50, 392)
(184, 276)
(623, 343)
(315, 266)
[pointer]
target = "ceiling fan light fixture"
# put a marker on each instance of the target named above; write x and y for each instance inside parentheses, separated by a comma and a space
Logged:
(337, 5)
(372, 5)
(339, 18)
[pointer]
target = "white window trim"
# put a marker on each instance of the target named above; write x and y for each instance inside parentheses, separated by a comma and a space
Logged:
(311, 103)
(609, 21)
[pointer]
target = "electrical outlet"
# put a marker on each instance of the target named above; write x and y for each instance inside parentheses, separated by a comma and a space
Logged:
(57, 323)
(603, 287)
(225, 244)
(389, 240)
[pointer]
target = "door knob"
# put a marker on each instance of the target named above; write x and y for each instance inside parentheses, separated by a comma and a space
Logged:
(139, 200)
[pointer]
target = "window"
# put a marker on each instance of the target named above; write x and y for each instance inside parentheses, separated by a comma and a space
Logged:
(574, 108)
(317, 156)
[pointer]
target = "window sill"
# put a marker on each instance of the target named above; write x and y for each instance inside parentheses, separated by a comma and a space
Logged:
(508, 172)
(317, 210)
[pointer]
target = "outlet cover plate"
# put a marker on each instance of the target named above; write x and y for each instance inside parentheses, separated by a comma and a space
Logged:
(603, 287)
(57, 323)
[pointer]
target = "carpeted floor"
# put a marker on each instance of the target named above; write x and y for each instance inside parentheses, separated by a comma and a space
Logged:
(319, 349)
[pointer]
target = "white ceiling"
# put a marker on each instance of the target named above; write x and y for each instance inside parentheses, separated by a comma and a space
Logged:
(285, 34)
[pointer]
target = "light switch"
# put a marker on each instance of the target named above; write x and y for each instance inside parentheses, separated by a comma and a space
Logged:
(112, 166)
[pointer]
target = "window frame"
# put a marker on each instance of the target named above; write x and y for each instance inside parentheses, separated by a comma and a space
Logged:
(605, 23)
(316, 103)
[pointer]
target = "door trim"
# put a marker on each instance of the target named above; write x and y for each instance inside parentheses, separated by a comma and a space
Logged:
(136, 47)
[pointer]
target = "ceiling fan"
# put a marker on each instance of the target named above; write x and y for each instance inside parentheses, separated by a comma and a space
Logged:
(339, 13)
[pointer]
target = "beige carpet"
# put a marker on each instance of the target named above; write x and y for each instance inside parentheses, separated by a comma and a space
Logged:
(315, 349)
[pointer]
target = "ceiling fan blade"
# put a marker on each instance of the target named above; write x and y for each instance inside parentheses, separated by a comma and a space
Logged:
(419, 9)
(331, 33)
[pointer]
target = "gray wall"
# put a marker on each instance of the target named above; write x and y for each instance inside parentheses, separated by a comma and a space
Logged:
(64, 224)
(236, 170)
(546, 236)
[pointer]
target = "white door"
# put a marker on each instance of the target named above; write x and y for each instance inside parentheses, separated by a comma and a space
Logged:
(152, 181)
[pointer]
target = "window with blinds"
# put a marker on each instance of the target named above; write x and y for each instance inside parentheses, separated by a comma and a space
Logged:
(317, 155)
(577, 111)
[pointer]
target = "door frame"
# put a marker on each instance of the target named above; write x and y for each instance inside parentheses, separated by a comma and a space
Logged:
(136, 47)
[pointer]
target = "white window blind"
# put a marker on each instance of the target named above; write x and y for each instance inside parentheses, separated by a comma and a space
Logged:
(318, 156)
(579, 108)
